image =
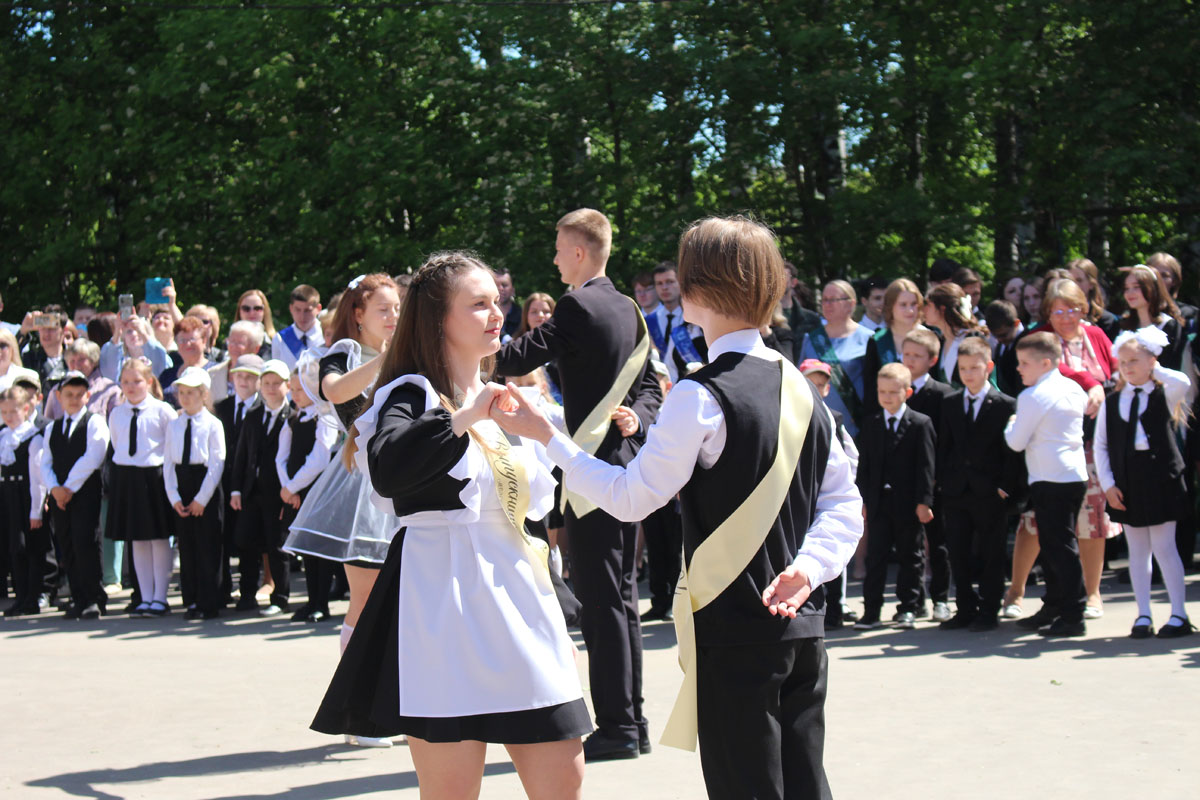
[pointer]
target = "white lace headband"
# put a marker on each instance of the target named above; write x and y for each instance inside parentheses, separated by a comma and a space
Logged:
(1149, 337)
(354, 283)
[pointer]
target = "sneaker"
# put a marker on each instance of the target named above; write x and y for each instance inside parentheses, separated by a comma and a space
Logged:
(1013, 611)
(1092, 612)
(112, 588)
(270, 611)
(906, 620)
(868, 622)
(367, 741)
(941, 612)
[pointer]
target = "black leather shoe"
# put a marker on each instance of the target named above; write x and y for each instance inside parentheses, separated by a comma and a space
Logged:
(1061, 628)
(211, 614)
(1170, 631)
(1142, 630)
(984, 622)
(71, 613)
(1039, 620)
(599, 747)
(316, 616)
(246, 604)
(657, 614)
(302, 614)
(957, 622)
(644, 738)
(13, 611)
(91, 612)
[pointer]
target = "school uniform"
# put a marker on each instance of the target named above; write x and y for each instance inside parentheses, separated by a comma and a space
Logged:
(137, 507)
(1048, 428)
(22, 497)
(974, 464)
(592, 333)
(760, 679)
(675, 340)
(927, 398)
(256, 482)
(72, 458)
(290, 342)
(306, 445)
(195, 460)
(895, 475)
(232, 413)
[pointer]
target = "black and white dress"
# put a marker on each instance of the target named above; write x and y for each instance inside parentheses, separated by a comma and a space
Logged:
(337, 520)
(462, 637)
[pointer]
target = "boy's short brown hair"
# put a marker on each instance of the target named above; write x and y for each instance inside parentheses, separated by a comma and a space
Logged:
(975, 347)
(1042, 344)
(896, 372)
(733, 266)
(924, 338)
(592, 227)
(304, 294)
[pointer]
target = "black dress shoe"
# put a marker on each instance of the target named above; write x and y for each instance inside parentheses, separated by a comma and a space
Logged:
(1170, 631)
(599, 747)
(656, 614)
(71, 613)
(14, 610)
(1142, 630)
(1061, 628)
(302, 614)
(246, 604)
(1039, 620)
(91, 612)
(984, 622)
(211, 614)
(644, 739)
(957, 622)
(316, 616)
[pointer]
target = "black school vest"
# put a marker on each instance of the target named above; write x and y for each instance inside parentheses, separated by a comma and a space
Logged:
(1156, 421)
(747, 389)
(65, 452)
(267, 478)
(304, 438)
(18, 471)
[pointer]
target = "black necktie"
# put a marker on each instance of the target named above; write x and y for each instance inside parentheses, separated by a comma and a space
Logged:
(970, 409)
(66, 428)
(670, 323)
(1131, 432)
(237, 417)
(133, 431)
(187, 443)
(892, 426)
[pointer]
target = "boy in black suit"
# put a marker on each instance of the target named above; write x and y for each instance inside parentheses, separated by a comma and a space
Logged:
(977, 473)
(919, 352)
(233, 411)
(895, 476)
(1005, 326)
(256, 494)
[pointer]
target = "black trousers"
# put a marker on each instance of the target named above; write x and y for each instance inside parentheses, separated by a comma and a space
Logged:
(664, 546)
(77, 532)
(977, 533)
(894, 524)
(761, 718)
(602, 570)
(940, 567)
(201, 543)
(1056, 507)
(27, 551)
(258, 533)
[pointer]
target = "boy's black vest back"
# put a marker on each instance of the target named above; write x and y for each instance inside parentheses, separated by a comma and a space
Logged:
(747, 389)
(304, 437)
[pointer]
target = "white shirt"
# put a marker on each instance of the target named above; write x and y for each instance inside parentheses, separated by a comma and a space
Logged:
(978, 401)
(316, 460)
(89, 462)
(153, 418)
(1175, 387)
(10, 440)
(919, 383)
(314, 336)
(899, 415)
(691, 430)
(871, 324)
(208, 448)
(1048, 426)
(242, 406)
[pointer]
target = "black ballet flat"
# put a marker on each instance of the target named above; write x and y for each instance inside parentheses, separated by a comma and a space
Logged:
(1140, 631)
(1170, 631)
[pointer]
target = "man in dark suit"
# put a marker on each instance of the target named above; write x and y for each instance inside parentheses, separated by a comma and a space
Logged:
(895, 476)
(919, 352)
(977, 474)
(594, 333)
(232, 411)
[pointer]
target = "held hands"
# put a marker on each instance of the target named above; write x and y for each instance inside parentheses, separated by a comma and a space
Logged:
(62, 495)
(787, 592)
(194, 509)
(180, 509)
(627, 421)
(518, 417)
(924, 513)
(1115, 498)
(289, 498)
(476, 409)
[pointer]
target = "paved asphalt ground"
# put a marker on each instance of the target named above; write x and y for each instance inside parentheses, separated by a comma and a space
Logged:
(121, 708)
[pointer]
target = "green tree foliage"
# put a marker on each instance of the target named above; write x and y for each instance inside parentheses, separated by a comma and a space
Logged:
(241, 145)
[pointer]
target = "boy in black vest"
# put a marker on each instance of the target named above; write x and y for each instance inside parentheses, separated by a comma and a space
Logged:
(977, 474)
(919, 352)
(233, 411)
(305, 445)
(895, 475)
(751, 615)
(255, 494)
(71, 460)
(22, 499)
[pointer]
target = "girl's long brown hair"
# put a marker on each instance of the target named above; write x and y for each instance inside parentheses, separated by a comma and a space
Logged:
(344, 324)
(1158, 299)
(418, 345)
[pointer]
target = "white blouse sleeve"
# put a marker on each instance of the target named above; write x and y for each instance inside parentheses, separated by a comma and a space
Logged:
(833, 535)
(170, 480)
(215, 464)
(37, 486)
(1100, 444)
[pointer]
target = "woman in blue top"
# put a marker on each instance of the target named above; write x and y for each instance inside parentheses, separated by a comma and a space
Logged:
(842, 344)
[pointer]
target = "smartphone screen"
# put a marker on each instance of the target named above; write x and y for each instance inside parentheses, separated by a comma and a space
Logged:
(125, 304)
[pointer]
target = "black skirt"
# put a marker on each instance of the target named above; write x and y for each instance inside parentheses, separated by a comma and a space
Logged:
(1153, 496)
(363, 698)
(138, 509)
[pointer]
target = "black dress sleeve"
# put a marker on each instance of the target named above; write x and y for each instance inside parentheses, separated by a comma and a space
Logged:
(411, 452)
(339, 364)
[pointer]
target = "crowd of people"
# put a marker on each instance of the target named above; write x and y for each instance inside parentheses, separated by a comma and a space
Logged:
(1049, 416)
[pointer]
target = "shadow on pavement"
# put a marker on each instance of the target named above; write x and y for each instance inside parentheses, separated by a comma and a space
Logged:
(231, 623)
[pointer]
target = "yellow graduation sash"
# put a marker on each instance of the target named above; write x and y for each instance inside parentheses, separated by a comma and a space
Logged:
(721, 557)
(512, 487)
(595, 425)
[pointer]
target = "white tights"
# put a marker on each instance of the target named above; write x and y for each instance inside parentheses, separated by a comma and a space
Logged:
(152, 563)
(1159, 539)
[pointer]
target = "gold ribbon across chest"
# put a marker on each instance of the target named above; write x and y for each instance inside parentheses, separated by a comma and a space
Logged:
(512, 488)
(720, 558)
(591, 432)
